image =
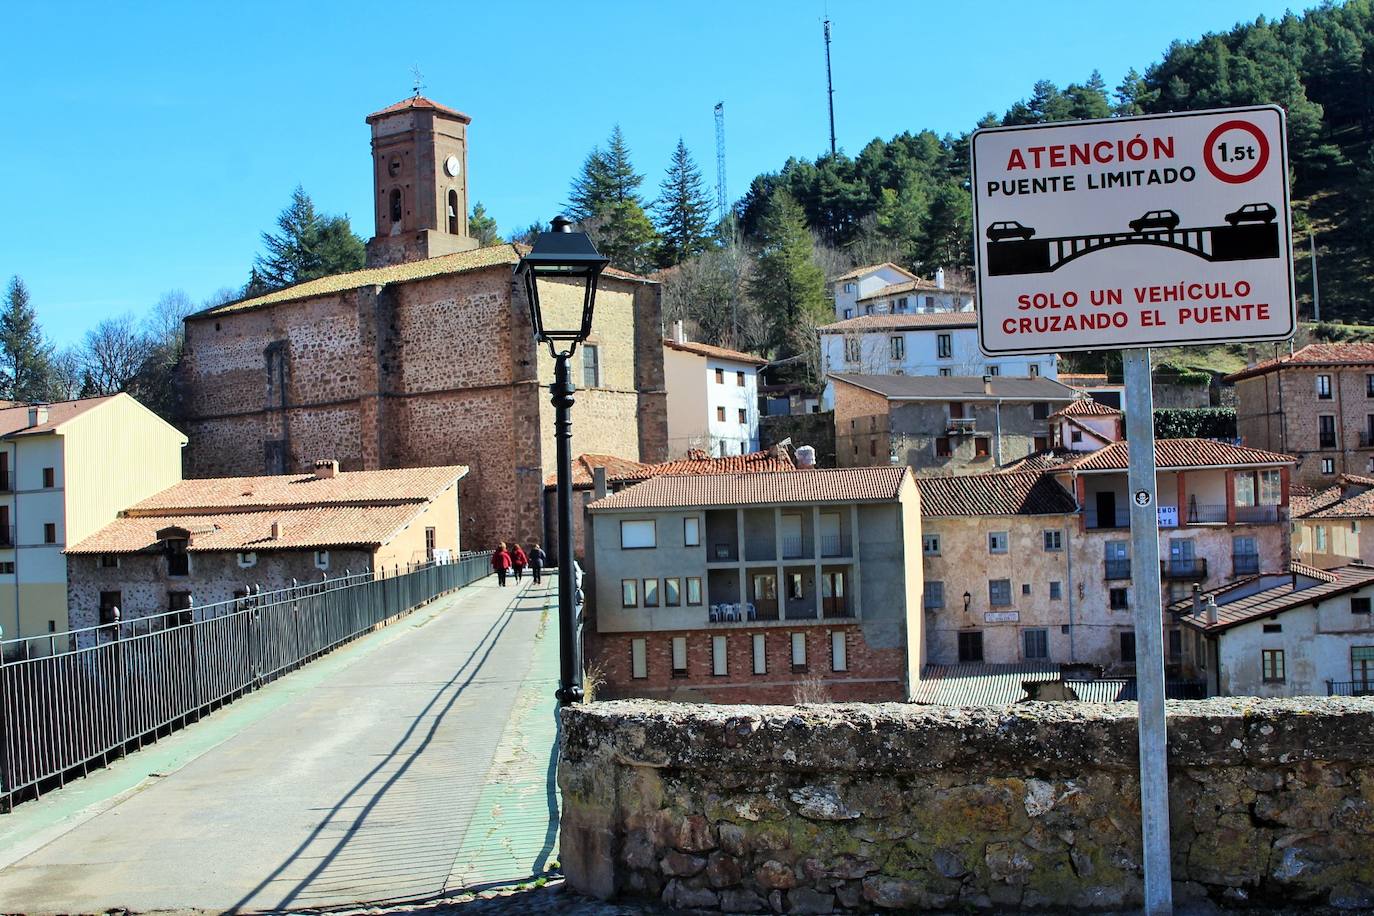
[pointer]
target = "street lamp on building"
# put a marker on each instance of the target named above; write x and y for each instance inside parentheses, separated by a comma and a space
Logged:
(563, 260)
(968, 599)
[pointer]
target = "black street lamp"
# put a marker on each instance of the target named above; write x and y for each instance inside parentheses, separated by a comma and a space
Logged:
(565, 257)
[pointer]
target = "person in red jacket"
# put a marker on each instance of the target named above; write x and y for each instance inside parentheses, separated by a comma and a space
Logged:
(500, 561)
(519, 561)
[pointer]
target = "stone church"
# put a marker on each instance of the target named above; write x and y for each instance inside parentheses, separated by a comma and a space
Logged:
(424, 357)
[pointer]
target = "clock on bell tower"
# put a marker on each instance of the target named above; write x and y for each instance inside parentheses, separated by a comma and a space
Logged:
(420, 182)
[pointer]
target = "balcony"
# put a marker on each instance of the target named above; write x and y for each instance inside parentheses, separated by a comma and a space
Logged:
(723, 553)
(1116, 569)
(1208, 514)
(1191, 568)
(1120, 519)
(7, 536)
(1364, 688)
(834, 545)
(1257, 515)
(962, 426)
(1245, 564)
(794, 548)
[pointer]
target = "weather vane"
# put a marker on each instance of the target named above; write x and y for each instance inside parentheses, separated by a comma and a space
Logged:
(419, 79)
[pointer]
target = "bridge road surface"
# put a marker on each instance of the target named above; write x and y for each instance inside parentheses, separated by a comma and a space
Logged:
(415, 761)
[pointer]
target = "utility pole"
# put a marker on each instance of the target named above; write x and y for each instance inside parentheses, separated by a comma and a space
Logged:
(829, 85)
(1316, 295)
(722, 203)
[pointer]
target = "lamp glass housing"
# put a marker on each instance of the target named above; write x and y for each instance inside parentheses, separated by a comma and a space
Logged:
(561, 255)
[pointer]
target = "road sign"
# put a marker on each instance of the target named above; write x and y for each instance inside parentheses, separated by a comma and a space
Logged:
(1159, 230)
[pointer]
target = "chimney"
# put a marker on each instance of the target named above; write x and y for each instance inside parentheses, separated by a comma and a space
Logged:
(1251, 356)
(278, 529)
(599, 480)
(679, 332)
(939, 278)
(806, 457)
(1211, 609)
(987, 385)
(325, 468)
(1197, 600)
(38, 415)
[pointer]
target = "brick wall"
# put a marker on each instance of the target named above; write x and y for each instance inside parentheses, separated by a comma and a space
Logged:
(861, 418)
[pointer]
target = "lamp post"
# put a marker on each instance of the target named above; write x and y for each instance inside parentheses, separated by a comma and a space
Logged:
(566, 258)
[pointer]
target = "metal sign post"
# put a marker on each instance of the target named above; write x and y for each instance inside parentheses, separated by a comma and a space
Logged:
(1149, 633)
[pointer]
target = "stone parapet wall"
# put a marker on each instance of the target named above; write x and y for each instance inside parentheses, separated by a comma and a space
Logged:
(881, 807)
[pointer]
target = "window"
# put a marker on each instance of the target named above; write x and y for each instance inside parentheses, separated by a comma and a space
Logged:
(930, 303)
(1175, 643)
(901, 304)
(798, 653)
(322, 559)
(982, 446)
(395, 205)
(1324, 387)
(1056, 591)
(247, 559)
(1128, 648)
(178, 563)
(935, 595)
(639, 662)
(109, 561)
(944, 346)
(693, 590)
(739, 379)
(992, 369)
(5, 471)
(1369, 386)
(1040, 410)
(719, 660)
(1362, 664)
(110, 602)
(1272, 628)
(1025, 588)
(672, 592)
(971, 646)
(1040, 444)
(999, 592)
(7, 567)
(638, 535)
(651, 593)
(1319, 535)
(180, 601)
(873, 448)
(679, 656)
(691, 531)
(743, 417)
(629, 593)
(429, 543)
(942, 449)
(794, 586)
(1271, 664)
(1054, 539)
(1075, 436)
(839, 660)
(1036, 643)
(591, 366)
(1245, 555)
(1034, 369)
(851, 349)
(720, 417)
(849, 313)
(930, 545)
(49, 533)
(1270, 488)
(897, 347)
(850, 287)
(49, 478)
(997, 542)
(1326, 431)
(1116, 599)
(760, 654)
(1328, 465)
(1359, 605)
(453, 216)
(720, 376)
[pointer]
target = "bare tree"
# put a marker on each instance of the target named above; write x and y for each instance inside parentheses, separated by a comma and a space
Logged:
(710, 292)
(114, 353)
(68, 373)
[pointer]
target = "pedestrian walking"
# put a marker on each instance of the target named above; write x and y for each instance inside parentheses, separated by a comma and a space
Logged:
(519, 561)
(500, 561)
(537, 561)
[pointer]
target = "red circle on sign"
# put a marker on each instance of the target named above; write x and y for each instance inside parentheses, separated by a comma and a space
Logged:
(1253, 131)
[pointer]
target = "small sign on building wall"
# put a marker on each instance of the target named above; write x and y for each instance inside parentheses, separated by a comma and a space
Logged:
(1168, 516)
(1001, 616)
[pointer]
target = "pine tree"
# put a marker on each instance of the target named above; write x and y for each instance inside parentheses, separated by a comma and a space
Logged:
(682, 211)
(604, 199)
(788, 286)
(307, 245)
(590, 189)
(25, 356)
(482, 227)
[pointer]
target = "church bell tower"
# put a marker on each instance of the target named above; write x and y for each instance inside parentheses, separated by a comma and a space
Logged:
(419, 181)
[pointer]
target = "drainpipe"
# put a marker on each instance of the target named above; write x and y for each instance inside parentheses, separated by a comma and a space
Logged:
(1068, 559)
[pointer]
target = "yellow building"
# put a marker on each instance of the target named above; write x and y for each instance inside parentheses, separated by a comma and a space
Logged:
(66, 469)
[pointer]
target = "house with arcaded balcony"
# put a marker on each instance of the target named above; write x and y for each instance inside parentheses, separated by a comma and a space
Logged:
(738, 588)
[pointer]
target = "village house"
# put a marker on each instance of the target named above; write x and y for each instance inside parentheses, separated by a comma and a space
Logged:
(425, 357)
(713, 397)
(66, 469)
(1316, 404)
(952, 424)
(1305, 633)
(886, 289)
(746, 588)
(851, 286)
(205, 541)
(1329, 525)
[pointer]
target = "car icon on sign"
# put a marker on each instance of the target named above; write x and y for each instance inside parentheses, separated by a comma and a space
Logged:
(1253, 213)
(1155, 221)
(1000, 232)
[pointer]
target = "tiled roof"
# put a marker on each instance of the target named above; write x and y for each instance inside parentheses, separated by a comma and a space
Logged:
(1083, 379)
(420, 103)
(1045, 460)
(713, 352)
(1086, 407)
(444, 265)
(14, 421)
(980, 684)
(1313, 355)
(896, 289)
(584, 467)
(860, 271)
(348, 488)
(767, 489)
(959, 387)
(1330, 503)
(928, 321)
(300, 529)
(1179, 453)
(1285, 597)
(993, 494)
(1312, 572)
(696, 464)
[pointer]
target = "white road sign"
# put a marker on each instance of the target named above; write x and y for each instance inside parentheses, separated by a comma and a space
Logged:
(1159, 230)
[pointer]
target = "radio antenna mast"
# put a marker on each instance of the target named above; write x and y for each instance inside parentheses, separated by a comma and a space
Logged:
(722, 200)
(829, 84)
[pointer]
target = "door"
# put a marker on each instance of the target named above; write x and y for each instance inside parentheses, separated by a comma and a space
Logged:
(832, 594)
(831, 545)
(1362, 669)
(766, 596)
(1106, 509)
(1182, 558)
(792, 536)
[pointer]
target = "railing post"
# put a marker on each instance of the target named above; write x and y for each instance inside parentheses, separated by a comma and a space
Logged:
(6, 768)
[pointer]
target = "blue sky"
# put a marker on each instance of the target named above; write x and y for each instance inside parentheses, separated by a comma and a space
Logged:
(147, 145)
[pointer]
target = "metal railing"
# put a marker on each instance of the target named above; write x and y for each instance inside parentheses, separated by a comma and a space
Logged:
(1120, 518)
(1257, 515)
(834, 545)
(1245, 564)
(1204, 514)
(1116, 569)
(1350, 688)
(102, 692)
(794, 548)
(1186, 568)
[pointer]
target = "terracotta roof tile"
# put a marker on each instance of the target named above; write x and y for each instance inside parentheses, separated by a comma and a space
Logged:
(348, 488)
(1332, 503)
(1086, 407)
(1083, 379)
(1280, 598)
(697, 463)
(714, 352)
(959, 387)
(762, 489)
(913, 321)
(1315, 354)
(920, 284)
(420, 103)
(860, 271)
(1179, 453)
(1027, 493)
(14, 421)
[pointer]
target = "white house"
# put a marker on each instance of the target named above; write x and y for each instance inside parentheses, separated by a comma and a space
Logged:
(713, 397)
(935, 343)
(862, 282)
(1309, 633)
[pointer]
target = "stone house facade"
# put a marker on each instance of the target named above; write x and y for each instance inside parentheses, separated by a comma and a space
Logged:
(1316, 404)
(422, 362)
(1330, 526)
(202, 542)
